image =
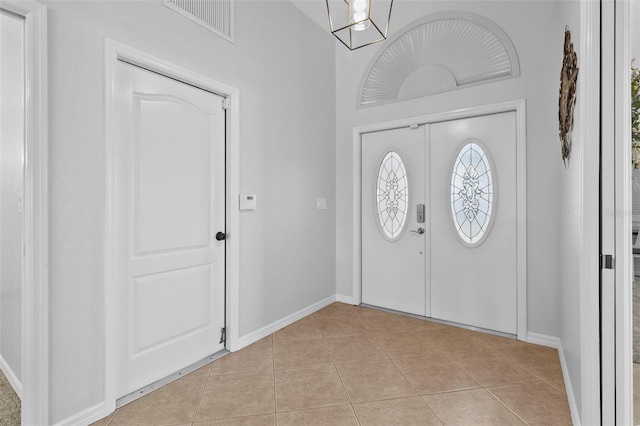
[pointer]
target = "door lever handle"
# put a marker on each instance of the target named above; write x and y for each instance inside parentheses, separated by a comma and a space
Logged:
(419, 231)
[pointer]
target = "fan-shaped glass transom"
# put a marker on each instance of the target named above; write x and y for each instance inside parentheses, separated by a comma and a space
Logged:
(392, 195)
(441, 52)
(471, 193)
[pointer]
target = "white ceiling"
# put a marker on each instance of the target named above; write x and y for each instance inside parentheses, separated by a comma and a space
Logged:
(314, 9)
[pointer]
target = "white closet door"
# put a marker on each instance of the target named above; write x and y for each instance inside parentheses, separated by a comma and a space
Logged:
(170, 182)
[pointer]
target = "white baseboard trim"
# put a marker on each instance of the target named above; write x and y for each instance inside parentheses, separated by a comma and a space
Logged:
(11, 377)
(86, 417)
(573, 408)
(345, 299)
(556, 343)
(98, 411)
(263, 332)
(543, 340)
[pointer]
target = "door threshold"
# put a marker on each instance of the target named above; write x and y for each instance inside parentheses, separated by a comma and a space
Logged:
(171, 378)
(444, 322)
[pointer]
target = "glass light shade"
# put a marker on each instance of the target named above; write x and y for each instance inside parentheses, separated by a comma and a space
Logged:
(359, 23)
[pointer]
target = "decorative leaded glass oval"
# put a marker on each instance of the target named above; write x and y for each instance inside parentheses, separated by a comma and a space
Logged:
(392, 195)
(471, 193)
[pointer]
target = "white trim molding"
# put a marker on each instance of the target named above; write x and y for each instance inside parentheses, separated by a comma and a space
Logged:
(85, 417)
(623, 196)
(573, 408)
(345, 299)
(589, 130)
(543, 340)
(556, 343)
(115, 52)
(35, 292)
(11, 377)
(268, 329)
(519, 107)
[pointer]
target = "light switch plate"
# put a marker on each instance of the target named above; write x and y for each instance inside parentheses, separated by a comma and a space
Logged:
(247, 201)
(321, 203)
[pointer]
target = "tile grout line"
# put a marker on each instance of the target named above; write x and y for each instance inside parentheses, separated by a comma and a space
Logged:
(323, 338)
(357, 320)
(403, 375)
(419, 395)
(432, 410)
(115, 413)
(340, 377)
(503, 403)
(393, 362)
(273, 373)
(206, 382)
(548, 381)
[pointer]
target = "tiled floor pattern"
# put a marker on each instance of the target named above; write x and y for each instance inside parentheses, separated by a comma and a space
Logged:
(348, 365)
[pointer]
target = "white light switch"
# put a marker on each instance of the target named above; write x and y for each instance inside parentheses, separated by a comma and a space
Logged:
(247, 201)
(321, 204)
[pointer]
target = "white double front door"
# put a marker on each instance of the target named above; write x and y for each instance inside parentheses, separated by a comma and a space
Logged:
(170, 186)
(439, 222)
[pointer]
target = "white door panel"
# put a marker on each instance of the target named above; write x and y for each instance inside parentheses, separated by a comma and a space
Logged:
(165, 168)
(152, 326)
(442, 274)
(393, 272)
(475, 285)
(171, 195)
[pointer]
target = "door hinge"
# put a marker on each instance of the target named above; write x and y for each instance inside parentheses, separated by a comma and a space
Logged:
(226, 103)
(607, 261)
(223, 335)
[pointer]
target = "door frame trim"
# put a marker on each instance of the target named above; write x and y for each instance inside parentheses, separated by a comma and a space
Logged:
(519, 107)
(113, 52)
(618, 138)
(35, 284)
(624, 200)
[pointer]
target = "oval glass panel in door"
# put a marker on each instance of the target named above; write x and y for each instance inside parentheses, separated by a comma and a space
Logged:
(471, 193)
(392, 195)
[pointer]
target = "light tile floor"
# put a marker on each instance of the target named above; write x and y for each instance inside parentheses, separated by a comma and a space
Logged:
(636, 394)
(348, 365)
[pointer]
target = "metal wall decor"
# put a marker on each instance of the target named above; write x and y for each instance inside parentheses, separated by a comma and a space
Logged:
(567, 98)
(359, 23)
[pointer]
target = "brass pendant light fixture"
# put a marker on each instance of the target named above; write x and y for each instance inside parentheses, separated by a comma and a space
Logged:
(359, 23)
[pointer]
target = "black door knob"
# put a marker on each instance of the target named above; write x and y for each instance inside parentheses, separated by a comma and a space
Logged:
(221, 236)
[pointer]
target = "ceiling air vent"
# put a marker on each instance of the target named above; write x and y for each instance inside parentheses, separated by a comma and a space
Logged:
(214, 15)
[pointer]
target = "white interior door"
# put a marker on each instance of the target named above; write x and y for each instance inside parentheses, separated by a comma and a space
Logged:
(473, 252)
(393, 236)
(170, 196)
